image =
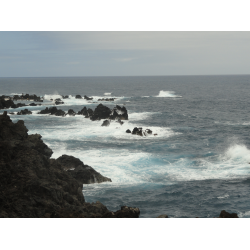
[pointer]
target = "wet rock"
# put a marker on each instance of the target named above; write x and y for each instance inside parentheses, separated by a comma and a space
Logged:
(83, 173)
(27, 97)
(65, 97)
(32, 104)
(71, 112)
(89, 113)
(88, 98)
(24, 112)
(140, 132)
(128, 131)
(119, 113)
(34, 186)
(83, 111)
(5, 103)
(78, 97)
(100, 112)
(60, 112)
(106, 123)
(58, 101)
(224, 214)
(106, 99)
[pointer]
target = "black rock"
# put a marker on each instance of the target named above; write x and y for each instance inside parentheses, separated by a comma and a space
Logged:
(119, 121)
(78, 97)
(60, 112)
(5, 103)
(24, 112)
(106, 123)
(83, 111)
(71, 112)
(100, 112)
(224, 214)
(119, 113)
(65, 97)
(128, 131)
(88, 98)
(33, 104)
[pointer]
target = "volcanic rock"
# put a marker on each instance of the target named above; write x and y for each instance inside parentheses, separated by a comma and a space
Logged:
(24, 112)
(100, 112)
(32, 185)
(71, 112)
(224, 214)
(88, 98)
(83, 173)
(78, 97)
(128, 131)
(119, 113)
(83, 111)
(5, 103)
(106, 123)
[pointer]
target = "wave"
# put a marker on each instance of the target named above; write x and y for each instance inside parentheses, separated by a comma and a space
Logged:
(164, 93)
(108, 93)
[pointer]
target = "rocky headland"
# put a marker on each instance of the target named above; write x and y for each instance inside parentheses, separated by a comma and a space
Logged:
(34, 185)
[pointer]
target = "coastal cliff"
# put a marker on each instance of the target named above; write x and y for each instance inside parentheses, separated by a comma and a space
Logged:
(33, 185)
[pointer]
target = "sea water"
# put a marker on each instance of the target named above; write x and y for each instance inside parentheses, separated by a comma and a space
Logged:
(196, 165)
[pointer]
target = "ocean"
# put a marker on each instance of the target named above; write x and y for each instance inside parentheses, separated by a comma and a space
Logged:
(196, 165)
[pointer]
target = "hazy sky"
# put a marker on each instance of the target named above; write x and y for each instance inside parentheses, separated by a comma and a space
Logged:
(123, 53)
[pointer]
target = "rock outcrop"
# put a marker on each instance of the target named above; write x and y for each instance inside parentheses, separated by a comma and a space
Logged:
(5, 103)
(24, 112)
(224, 214)
(82, 173)
(106, 123)
(33, 185)
(140, 132)
(88, 98)
(34, 97)
(78, 97)
(52, 111)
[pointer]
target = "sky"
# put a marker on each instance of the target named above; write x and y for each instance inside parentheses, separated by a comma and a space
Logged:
(112, 53)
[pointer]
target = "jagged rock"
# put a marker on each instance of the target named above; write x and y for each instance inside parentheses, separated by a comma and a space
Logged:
(119, 113)
(128, 131)
(11, 113)
(89, 113)
(5, 103)
(83, 111)
(32, 185)
(24, 112)
(83, 173)
(78, 97)
(65, 97)
(32, 104)
(224, 214)
(60, 112)
(34, 97)
(71, 112)
(88, 98)
(58, 101)
(106, 123)
(100, 112)
(140, 132)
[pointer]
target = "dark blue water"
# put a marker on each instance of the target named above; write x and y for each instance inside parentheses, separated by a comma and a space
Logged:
(196, 165)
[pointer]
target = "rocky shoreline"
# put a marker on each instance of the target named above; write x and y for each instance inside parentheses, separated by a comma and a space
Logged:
(35, 186)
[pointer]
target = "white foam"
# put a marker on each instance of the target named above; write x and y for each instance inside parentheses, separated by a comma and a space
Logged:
(223, 197)
(164, 93)
(108, 93)
(54, 96)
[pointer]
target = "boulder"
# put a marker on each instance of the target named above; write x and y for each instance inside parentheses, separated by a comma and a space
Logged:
(78, 97)
(88, 98)
(106, 123)
(83, 111)
(128, 131)
(119, 121)
(100, 112)
(5, 103)
(140, 132)
(58, 101)
(65, 97)
(82, 173)
(32, 104)
(24, 112)
(60, 112)
(71, 112)
(119, 113)
(224, 214)
(89, 113)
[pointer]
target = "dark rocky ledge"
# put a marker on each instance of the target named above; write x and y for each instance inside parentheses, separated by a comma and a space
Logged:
(33, 185)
